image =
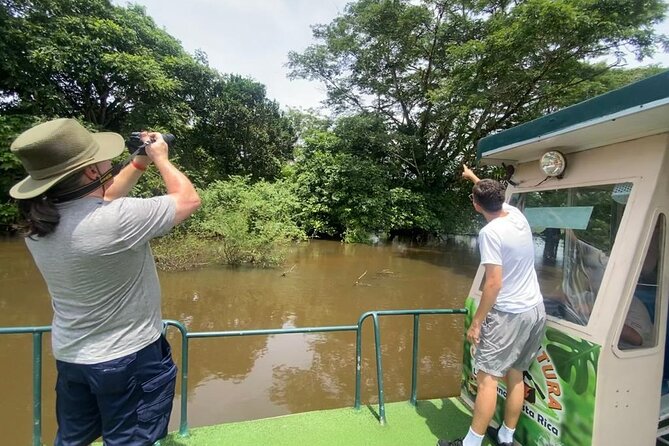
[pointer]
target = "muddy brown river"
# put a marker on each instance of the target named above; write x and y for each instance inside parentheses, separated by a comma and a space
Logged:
(242, 378)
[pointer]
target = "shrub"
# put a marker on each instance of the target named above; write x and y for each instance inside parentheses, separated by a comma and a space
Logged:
(246, 223)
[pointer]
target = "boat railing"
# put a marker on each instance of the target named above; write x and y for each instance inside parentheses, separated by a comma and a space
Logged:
(38, 332)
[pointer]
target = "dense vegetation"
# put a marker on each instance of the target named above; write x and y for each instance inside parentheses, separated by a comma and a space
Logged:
(412, 87)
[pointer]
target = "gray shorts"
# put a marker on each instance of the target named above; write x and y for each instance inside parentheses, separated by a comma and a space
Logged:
(510, 340)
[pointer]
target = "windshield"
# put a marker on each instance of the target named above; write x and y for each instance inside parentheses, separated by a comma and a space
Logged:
(574, 230)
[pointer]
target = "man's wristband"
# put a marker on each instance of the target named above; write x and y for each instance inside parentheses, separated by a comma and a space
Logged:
(137, 166)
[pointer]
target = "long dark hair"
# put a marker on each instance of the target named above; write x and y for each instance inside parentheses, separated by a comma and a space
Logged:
(39, 216)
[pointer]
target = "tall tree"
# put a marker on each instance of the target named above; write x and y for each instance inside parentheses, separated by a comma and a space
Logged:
(87, 58)
(242, 131)
(446, 73)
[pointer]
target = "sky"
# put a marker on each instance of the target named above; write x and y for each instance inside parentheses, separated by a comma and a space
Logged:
(249, 37)
(253, 37)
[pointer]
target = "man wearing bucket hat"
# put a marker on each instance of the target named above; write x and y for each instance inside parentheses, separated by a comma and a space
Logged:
(116, 377)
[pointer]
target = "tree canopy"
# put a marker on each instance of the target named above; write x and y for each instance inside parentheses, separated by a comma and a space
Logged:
(87, 58)
(444, 74)
(114, 69)
(412, 86)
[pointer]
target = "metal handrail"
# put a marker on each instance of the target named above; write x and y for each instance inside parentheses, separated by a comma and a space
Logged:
(37, 375)
(37, 333)
(185, 336)
(377, 344)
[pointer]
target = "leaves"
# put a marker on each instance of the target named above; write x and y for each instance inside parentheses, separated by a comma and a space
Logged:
(86, 58)
(574, 360)
(250, 223)
(445, 74)
(242, 130)
(417, 83)
(11, 170)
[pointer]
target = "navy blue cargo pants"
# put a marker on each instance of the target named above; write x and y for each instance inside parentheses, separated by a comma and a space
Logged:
(127, 401)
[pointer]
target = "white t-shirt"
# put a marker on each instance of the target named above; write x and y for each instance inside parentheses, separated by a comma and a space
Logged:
(507, 241)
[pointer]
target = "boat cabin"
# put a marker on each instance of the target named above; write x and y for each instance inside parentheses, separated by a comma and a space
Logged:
(593, 182)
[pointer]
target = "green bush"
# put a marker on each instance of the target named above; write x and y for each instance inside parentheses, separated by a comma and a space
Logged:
(11, 170)
(181, 251)
(246, 223)
(341, 194)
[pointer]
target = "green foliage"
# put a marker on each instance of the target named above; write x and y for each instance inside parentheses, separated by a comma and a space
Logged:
(11, 170)
(343, 177)
(365, 136)
(409, 210)
(114, 69)
(87, 58)
(242, 131)
(419, 82)
(248, 223)
(445, 74)
(305, 122)
(341, 194)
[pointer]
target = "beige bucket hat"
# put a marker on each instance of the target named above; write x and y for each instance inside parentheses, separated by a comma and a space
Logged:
(51, 151)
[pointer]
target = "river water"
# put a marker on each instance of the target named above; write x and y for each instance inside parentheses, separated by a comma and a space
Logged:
(252, 377)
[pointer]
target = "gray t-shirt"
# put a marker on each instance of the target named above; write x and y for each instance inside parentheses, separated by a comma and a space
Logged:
(101, 276)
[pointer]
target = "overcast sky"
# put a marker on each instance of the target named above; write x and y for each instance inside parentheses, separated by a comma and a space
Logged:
(253, 38)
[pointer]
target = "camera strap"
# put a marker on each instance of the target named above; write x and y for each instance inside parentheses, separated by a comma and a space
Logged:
(86, 189)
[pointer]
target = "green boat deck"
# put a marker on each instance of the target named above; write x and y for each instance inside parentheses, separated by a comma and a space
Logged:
(406, 425)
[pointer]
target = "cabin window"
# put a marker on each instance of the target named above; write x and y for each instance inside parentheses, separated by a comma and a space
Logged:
(574, 230)
(639, 329)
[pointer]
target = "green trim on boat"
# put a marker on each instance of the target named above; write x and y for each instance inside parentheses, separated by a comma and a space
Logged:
(636, 95)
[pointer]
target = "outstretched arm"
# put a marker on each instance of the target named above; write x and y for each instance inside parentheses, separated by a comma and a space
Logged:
(127, 178)
(178, 185)
(468, 174)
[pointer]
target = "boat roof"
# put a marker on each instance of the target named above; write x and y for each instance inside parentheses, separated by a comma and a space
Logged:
(634, 111)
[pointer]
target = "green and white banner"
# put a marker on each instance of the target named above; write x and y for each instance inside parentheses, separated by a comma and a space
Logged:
(559, 390)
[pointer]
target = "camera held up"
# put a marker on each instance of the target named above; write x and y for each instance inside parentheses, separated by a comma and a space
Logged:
(138, 147)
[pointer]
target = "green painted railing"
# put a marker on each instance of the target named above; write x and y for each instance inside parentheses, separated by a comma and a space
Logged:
(377, 344)
(37, 375)
(37, 333)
